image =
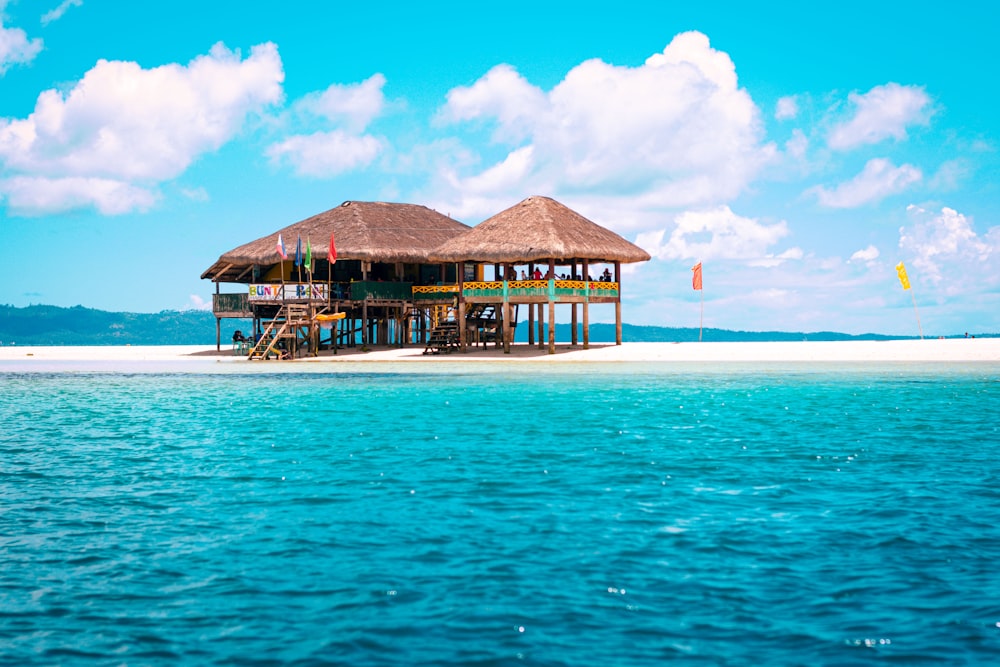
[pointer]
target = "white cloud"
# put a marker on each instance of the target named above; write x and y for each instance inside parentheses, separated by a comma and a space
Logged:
(503, 94)
(944, 246)
(326, 153)
(877, 180)
(866, 255)
(950, 175)
(15, 47)
(797, 145)
(196, 194)
(197, 303)
(38, 195)
(881, 113)
(137, 126)
(57, 13)
(675, 131)
(351, 105)
(787, 107)
(719, 234)
(770, 260)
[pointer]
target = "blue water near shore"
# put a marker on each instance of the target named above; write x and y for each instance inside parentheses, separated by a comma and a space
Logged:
(502, 515)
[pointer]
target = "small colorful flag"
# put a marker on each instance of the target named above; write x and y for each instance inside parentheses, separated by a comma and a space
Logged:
(281, 248)
(903, 278)
(298, 252)
(696, 278)
(309, 256)
(332, 253)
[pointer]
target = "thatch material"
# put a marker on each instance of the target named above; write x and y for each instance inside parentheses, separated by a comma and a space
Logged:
(366, 231)
(538, 228)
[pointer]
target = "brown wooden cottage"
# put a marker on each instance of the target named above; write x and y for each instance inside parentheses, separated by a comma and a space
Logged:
(379, 282)
(405, 273)
(557, 246)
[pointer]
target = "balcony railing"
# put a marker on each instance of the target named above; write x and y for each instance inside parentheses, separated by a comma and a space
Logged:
(435, 292)
(231, 303)
(540, 288)
(369, 289)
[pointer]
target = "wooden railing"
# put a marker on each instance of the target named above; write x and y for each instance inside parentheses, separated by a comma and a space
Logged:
(230, 304)
(543, 288)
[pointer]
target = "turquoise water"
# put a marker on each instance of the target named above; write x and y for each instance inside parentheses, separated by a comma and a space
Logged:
(499, 515)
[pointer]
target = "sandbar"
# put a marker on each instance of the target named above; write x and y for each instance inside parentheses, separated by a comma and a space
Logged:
(913, 351)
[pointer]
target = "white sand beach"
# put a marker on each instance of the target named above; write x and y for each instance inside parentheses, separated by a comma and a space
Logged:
(916, 351)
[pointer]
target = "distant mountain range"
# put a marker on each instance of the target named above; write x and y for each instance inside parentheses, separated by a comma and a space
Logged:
(53, 325)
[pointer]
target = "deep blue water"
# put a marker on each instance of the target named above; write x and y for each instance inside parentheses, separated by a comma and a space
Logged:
(502, 515)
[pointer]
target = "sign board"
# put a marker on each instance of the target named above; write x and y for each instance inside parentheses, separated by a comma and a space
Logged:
(288, 292)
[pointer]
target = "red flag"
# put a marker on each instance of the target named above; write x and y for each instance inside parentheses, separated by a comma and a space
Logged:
(281, 248)
(696, 278)
(332, 254)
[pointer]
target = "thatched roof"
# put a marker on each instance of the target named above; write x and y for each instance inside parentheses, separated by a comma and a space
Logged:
(366, 231)
(538, 228)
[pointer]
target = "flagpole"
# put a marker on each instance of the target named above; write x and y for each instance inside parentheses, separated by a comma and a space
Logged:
(701, 319)
(917, 313)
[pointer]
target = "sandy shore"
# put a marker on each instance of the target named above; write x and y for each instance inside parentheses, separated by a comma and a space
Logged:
(917, 351)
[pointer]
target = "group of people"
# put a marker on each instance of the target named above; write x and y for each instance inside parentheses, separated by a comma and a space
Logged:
(537, 275)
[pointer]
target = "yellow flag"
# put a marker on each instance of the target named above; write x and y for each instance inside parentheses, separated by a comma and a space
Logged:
(903, 279)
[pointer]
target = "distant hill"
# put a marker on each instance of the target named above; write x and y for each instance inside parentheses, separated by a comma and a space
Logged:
(52, 325)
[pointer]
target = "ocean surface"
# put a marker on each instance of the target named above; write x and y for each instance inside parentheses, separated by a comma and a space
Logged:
(502, 514)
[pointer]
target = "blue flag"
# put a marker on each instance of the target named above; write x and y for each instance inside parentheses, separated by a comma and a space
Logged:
(298, 252)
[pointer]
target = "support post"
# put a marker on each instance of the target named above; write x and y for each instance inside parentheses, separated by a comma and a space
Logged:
(618, 304)
(531, 324)
(552, 306)
(218, 324)
(586, 304)
(541, 325)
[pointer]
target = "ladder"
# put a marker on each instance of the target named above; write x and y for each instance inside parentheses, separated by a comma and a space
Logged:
(283, 328)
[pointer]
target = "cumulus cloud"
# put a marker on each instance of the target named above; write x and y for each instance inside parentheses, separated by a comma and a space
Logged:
(719, 233)
(15, 47)
(866, 255)
(881, 113)
(138, 126)
(351, 105)
(328, 152)
(788, 107)
(879, 179)
(675, 131)
(502, 94)
(945, 243)
(57, 13)
(325, 153)
(38, 195)
(797, 145)
(197, 303)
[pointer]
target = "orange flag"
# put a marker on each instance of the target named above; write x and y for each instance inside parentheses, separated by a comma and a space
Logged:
(696, 278)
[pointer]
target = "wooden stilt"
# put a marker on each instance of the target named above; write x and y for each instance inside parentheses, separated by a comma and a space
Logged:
(541, 325)
(618, 304)
(552, 327)
(531, 324)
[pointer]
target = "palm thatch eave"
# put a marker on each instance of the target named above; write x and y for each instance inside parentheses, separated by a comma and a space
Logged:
(537, 229)
(363, 231)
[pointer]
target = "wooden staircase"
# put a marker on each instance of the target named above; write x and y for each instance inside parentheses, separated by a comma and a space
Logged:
(280, 337)
(443, 338)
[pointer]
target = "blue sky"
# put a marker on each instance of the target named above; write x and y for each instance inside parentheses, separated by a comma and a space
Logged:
(800, 151)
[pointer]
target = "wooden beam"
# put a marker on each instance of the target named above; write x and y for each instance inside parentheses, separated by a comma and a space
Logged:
(618, 304)
(586, 307)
